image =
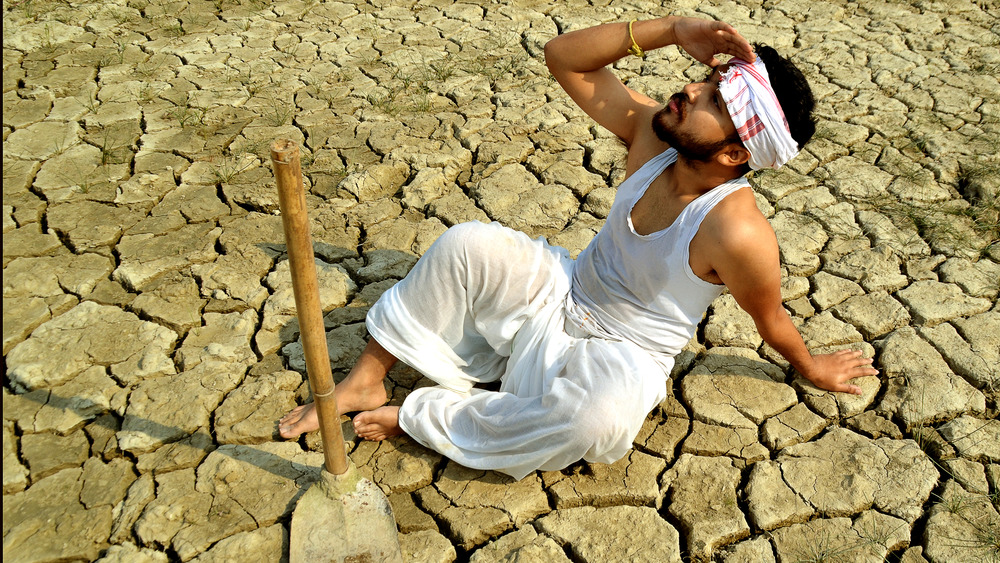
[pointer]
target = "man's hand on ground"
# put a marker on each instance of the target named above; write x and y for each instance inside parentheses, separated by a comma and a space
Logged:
(703, 39)
(832, 371)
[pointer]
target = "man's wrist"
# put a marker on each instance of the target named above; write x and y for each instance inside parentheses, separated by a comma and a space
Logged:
(654, 34)
(670, 29)
(807, 368)
(634, 49)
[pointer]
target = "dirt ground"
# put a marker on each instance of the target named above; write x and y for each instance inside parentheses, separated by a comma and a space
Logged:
(149, 339)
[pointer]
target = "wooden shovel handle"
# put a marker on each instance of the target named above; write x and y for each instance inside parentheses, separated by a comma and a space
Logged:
(295, 219)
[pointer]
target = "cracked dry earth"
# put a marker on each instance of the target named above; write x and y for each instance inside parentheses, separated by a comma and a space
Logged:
(149, 337)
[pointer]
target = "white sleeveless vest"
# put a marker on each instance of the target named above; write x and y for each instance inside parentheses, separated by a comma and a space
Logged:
(641, 287)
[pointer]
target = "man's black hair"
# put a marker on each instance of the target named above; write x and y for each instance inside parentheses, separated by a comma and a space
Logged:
(793, 93)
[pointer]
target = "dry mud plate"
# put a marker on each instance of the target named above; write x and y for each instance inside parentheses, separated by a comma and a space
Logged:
(149, 337)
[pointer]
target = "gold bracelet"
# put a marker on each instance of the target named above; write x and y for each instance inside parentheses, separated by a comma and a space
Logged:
(635, 49)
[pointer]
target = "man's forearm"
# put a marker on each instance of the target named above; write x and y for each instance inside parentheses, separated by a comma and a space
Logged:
(781, 334)
(594, 48)
(580, 61)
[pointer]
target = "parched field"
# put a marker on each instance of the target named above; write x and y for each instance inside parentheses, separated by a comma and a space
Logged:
(149, 338)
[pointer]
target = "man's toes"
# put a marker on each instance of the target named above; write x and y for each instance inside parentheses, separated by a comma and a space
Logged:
(368, 431)
(290, 430)
(292, 416)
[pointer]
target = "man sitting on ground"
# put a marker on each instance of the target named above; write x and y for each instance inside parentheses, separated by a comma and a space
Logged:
(583, 348)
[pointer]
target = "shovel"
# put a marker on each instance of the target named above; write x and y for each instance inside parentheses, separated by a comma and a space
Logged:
(343, 516)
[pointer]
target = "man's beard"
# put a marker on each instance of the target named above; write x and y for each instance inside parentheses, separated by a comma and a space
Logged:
(687, 146)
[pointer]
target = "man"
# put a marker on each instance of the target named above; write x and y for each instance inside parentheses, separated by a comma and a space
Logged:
(583, 348)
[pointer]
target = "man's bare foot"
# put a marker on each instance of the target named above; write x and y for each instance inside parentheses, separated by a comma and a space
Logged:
(299, 420)
(352, 395)
(361, 390)
(379, 424)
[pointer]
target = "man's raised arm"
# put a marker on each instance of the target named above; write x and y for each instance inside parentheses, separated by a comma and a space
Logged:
(579, 61)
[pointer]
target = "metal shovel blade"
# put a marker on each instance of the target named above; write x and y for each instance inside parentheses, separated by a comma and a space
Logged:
(344, 518)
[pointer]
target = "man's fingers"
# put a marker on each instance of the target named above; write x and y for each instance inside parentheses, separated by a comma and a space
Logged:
(847, 388)
(738, 46)
(722, 26)
(847, 355)
(697, 37)
(866, 365)
(857, 363)
(844, 387)
(741, 48)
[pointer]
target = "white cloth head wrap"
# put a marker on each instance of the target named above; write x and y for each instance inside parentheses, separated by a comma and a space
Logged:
(757, 115)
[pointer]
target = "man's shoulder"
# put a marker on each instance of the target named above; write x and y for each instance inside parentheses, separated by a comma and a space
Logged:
(734, 237)
(737, 221)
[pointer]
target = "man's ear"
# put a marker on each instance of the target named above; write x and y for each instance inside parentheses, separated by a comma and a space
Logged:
(733, 155)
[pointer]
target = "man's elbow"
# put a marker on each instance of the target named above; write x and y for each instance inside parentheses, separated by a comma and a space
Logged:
(551, 51)
(559, 54)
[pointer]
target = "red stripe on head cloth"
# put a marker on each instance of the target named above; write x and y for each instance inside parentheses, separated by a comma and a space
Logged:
(761, 124)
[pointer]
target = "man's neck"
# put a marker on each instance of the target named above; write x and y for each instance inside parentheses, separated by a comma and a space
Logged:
(690, 179)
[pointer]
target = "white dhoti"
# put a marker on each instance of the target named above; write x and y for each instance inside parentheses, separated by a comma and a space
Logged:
(487, 303)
